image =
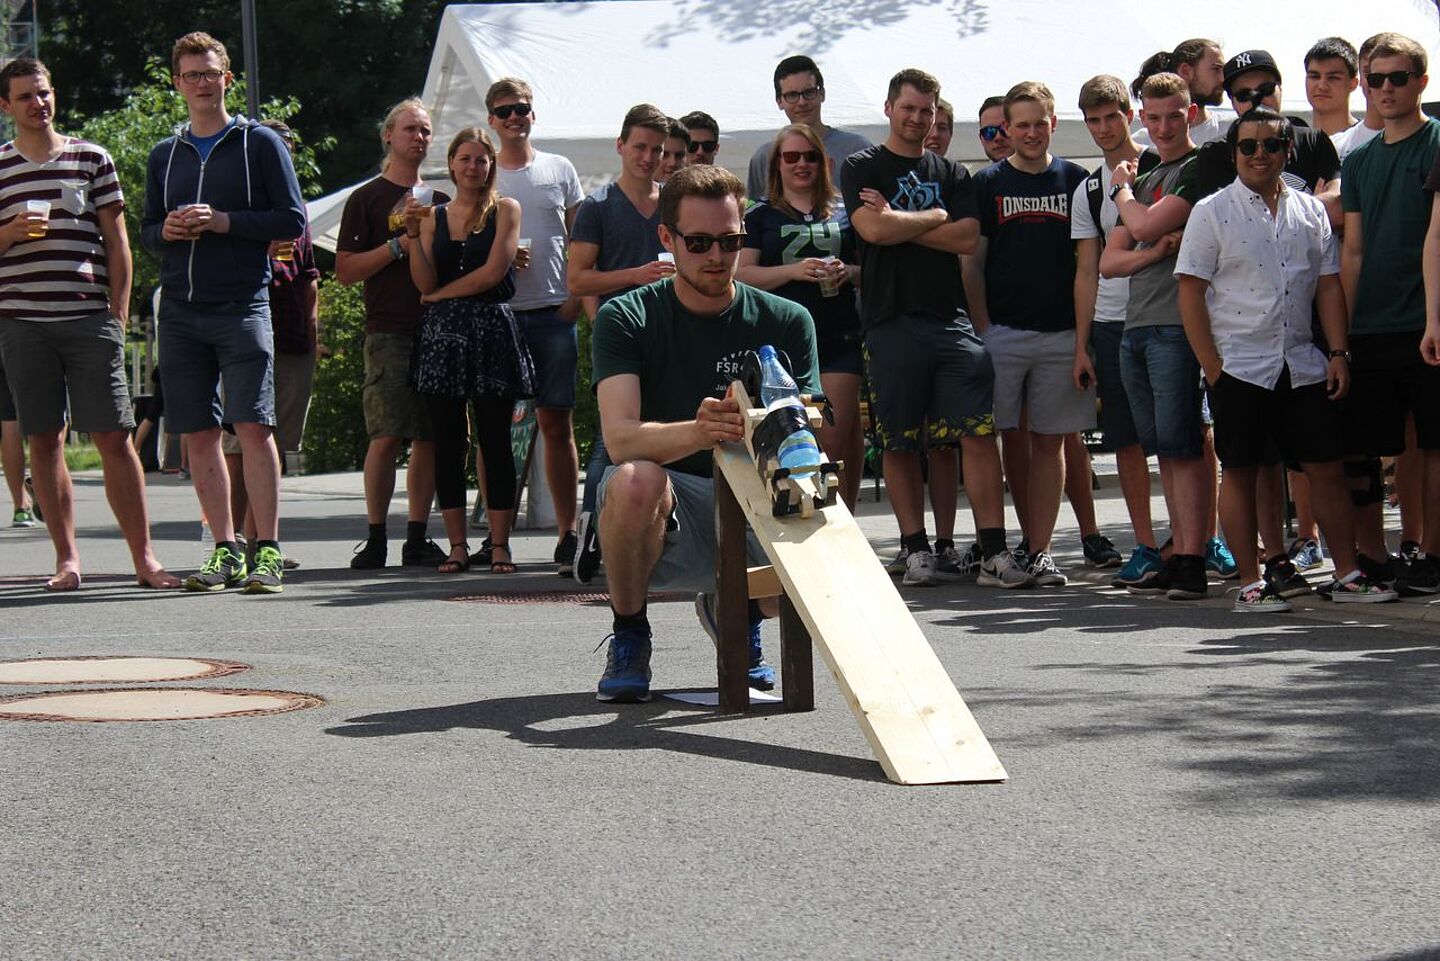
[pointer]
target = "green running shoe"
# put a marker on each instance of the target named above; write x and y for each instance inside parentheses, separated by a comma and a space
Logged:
(223, 568)
(266, 575)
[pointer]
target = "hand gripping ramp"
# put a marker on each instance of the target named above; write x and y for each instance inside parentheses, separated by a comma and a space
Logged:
(836, 590)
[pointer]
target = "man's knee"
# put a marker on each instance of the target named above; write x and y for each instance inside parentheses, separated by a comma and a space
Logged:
(388, 446)
(556, 423)
(111, 442)
(636, 489)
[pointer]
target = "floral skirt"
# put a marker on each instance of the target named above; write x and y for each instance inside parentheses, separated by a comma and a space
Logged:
(466, 348)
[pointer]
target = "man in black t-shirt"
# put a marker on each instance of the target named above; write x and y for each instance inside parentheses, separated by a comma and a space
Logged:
(914, 213)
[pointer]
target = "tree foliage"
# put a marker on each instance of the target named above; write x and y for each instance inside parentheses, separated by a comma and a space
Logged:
(152, 111)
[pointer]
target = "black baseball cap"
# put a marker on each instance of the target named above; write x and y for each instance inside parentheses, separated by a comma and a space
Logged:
(1249, 60)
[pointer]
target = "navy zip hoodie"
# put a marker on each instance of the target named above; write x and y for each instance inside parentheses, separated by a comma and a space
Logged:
(249, 176)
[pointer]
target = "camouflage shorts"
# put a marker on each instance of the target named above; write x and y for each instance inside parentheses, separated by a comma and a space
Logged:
(930, 375)
(392, 408)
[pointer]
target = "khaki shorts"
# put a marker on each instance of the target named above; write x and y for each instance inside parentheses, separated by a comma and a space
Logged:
(392, 408)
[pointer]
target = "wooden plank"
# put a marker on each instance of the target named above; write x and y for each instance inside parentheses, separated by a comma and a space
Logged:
(763, 582)
(916, 722)
(797, 669)
(732, 648)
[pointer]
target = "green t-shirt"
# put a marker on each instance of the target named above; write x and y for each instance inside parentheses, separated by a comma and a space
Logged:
(1154, 293)
(682, 358)
(1385, 184)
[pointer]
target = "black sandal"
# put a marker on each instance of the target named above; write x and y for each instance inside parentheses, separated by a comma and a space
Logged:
(452, 565)
(501, 567)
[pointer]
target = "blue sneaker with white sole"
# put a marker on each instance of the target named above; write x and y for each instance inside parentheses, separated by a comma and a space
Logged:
(1219, 560)
(1144, 561)
(627, 668)
(762, 675)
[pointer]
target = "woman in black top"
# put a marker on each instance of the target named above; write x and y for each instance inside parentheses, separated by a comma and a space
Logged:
(468, 349)
(799, 244)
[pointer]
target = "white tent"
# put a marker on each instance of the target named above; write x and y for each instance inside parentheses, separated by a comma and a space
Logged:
(591, 61)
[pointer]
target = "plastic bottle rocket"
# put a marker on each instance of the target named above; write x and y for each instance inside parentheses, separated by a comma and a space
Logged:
(798, 451)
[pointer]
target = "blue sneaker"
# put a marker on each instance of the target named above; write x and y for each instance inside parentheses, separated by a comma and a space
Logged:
(762, 675)
(1144, 561)
(627, 668)
(1219, 560)
(1305, 554)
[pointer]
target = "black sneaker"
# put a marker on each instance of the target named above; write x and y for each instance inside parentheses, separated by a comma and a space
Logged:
(565, 554)
(1284, 579)
(587, 552)
(369, 556)
(1421, 576)
(223, 568)
(1410, 551)
(484, 555)
(1381, 572)
(1100, 551)
(1187, 578)
(422, 553)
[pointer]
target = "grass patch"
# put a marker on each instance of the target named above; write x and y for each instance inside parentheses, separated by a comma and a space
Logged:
(82, 456)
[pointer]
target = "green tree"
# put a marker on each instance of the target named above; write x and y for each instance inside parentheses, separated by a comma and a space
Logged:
(152, 112)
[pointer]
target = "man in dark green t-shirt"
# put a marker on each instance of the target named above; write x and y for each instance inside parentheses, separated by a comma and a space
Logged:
(1387, 207)
(664, 357)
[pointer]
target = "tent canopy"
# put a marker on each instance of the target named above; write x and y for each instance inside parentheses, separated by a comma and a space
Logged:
(589, 62)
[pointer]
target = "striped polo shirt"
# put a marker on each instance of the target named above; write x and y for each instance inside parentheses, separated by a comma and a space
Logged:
(63, 275)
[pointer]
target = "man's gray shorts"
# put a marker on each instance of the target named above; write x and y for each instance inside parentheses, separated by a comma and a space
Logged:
(1034, 371)
(688, 560)
(75, 365)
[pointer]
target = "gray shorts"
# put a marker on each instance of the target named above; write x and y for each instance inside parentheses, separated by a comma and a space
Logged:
(80, 360)
(1033, 371)
(687, 562)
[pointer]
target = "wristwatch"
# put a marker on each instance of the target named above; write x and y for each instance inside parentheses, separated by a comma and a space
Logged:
(1341, 353)
(1116, 188)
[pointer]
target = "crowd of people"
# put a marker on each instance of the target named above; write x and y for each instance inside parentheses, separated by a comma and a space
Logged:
(1255, 303)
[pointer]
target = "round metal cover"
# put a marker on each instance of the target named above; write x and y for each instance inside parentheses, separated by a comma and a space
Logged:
(102, 669)
(151, 704)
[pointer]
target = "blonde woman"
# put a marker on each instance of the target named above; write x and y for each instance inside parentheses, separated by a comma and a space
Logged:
(468, 351)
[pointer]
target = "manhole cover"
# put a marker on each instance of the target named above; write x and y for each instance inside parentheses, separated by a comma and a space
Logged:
(562, 597)
(151, 704)
(111, 670)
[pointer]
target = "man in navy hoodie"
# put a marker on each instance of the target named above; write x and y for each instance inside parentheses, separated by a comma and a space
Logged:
(216, 194)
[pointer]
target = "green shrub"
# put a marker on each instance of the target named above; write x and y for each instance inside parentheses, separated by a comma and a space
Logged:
(587, 413)
(335, 437)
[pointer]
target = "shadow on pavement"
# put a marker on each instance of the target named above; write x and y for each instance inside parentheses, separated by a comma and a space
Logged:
(576, 721)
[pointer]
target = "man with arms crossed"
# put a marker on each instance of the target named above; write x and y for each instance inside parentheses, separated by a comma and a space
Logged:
(548, 190)
(67, 339)
(216, 194)
(372, 249)
(914, 213)
(1256, 258)
(1020, 284)
(800, 93)
(1161, 375)
(664, 359)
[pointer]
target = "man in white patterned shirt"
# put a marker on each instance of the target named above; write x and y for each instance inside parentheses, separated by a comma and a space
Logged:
(64, 299)
(1255, 257)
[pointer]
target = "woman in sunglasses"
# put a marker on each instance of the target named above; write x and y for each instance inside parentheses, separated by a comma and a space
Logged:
(468, 350)
(799, 245)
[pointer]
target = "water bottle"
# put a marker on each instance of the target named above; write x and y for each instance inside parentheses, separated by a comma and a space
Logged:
(207, 536)
(798, 451)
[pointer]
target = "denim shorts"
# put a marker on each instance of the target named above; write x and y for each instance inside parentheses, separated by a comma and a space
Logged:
(554, 346)
(1162, 381)
(75, 366)
(1117, 424)
(929, 374)
(687, 561)
(205, 345)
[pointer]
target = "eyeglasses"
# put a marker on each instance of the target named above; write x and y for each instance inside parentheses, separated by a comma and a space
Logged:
(990, 132)
(704, 146)
(701, 243)
(1249, 145)
(1255, 94)
(795, 156)
(505, 110)
(1397, 78)
(795, 96)
(193, 77)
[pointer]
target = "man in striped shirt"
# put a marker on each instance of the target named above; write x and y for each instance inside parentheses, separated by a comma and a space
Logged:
(64, 299)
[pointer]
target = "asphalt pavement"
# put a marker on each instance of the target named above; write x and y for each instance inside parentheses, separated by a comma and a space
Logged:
(1185, 782)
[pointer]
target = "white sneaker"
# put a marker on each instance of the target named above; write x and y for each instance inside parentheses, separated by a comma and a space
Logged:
(1002, 571)
(1042, 568)
(919, 570)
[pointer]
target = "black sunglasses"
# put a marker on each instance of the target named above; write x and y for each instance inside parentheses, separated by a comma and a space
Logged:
(1397, 78)
(701, 243)
(990, 132)
(1249, 145)
(505, 110)
(1254, 94)
(795, 156)
(708, 146)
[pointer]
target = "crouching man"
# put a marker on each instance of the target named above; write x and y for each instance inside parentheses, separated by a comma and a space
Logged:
(664, 357)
